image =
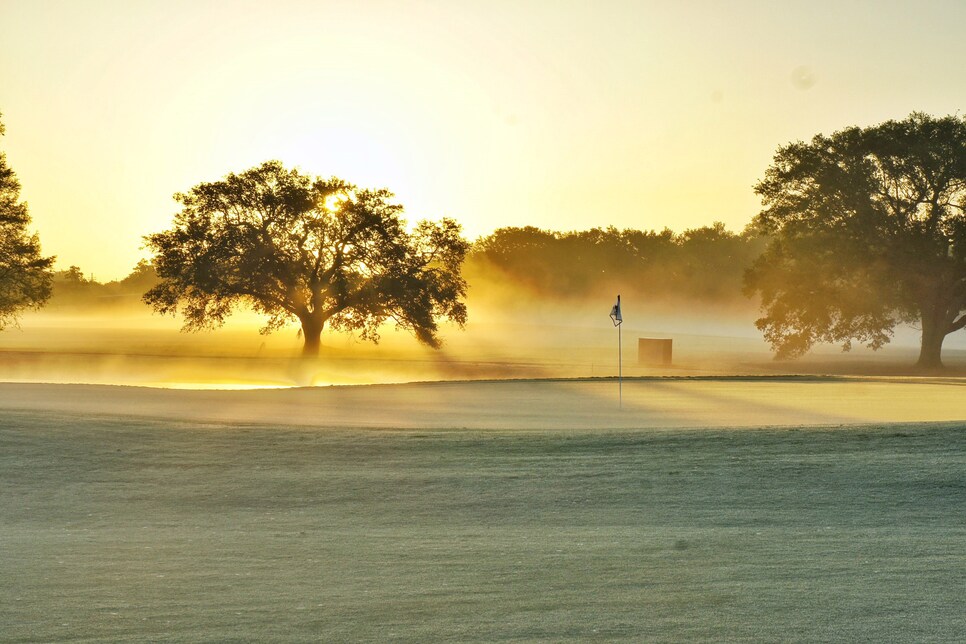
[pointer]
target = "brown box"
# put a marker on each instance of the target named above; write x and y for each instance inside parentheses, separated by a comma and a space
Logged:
(652, 351)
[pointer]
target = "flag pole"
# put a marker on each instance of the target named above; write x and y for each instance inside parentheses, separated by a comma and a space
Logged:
(617, 319)
(620, 366)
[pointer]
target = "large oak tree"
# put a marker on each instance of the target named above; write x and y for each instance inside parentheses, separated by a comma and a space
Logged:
(25, 275)
(319, 251)
(868, 231)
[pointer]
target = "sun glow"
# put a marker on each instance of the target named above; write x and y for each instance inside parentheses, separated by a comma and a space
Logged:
(332, 202)
(358, 156)
(496, 115)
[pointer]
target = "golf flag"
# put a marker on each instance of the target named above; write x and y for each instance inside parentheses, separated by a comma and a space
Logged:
(615, 312)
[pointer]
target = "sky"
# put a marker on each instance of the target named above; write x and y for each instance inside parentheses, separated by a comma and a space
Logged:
(560, 114)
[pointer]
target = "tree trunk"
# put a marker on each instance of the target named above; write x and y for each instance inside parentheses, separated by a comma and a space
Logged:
(312, 334)
(933, 334)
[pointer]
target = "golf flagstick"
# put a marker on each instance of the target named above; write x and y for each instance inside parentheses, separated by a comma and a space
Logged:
(616, 318)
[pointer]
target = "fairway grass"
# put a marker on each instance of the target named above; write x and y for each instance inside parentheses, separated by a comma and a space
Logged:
(127, 528)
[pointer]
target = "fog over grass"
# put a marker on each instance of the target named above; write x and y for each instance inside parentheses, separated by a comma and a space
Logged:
(522, 337)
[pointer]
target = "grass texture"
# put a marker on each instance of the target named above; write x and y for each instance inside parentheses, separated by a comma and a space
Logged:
(141, 530)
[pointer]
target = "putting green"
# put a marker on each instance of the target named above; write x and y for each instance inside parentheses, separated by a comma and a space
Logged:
(647, 403)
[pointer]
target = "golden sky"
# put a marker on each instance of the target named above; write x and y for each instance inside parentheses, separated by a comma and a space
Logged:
(554, 113)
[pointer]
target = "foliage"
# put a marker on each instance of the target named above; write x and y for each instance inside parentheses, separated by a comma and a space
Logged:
(867, 230)
(704, 264)
(24, 274)
(72, 290)
(321, 251)
(141, 279)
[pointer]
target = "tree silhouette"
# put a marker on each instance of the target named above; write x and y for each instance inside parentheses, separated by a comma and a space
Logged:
(25, 275)
(868, 230)
(320, 251)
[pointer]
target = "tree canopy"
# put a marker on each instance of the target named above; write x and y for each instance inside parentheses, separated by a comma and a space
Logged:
(319, 251)
(867, 231)
(25, 275)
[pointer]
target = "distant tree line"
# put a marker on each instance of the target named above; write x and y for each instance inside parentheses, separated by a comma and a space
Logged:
(704, 264)
(71, 289)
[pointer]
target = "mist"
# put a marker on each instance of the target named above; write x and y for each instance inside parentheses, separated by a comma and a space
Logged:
(514, 331)
(538, 304)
